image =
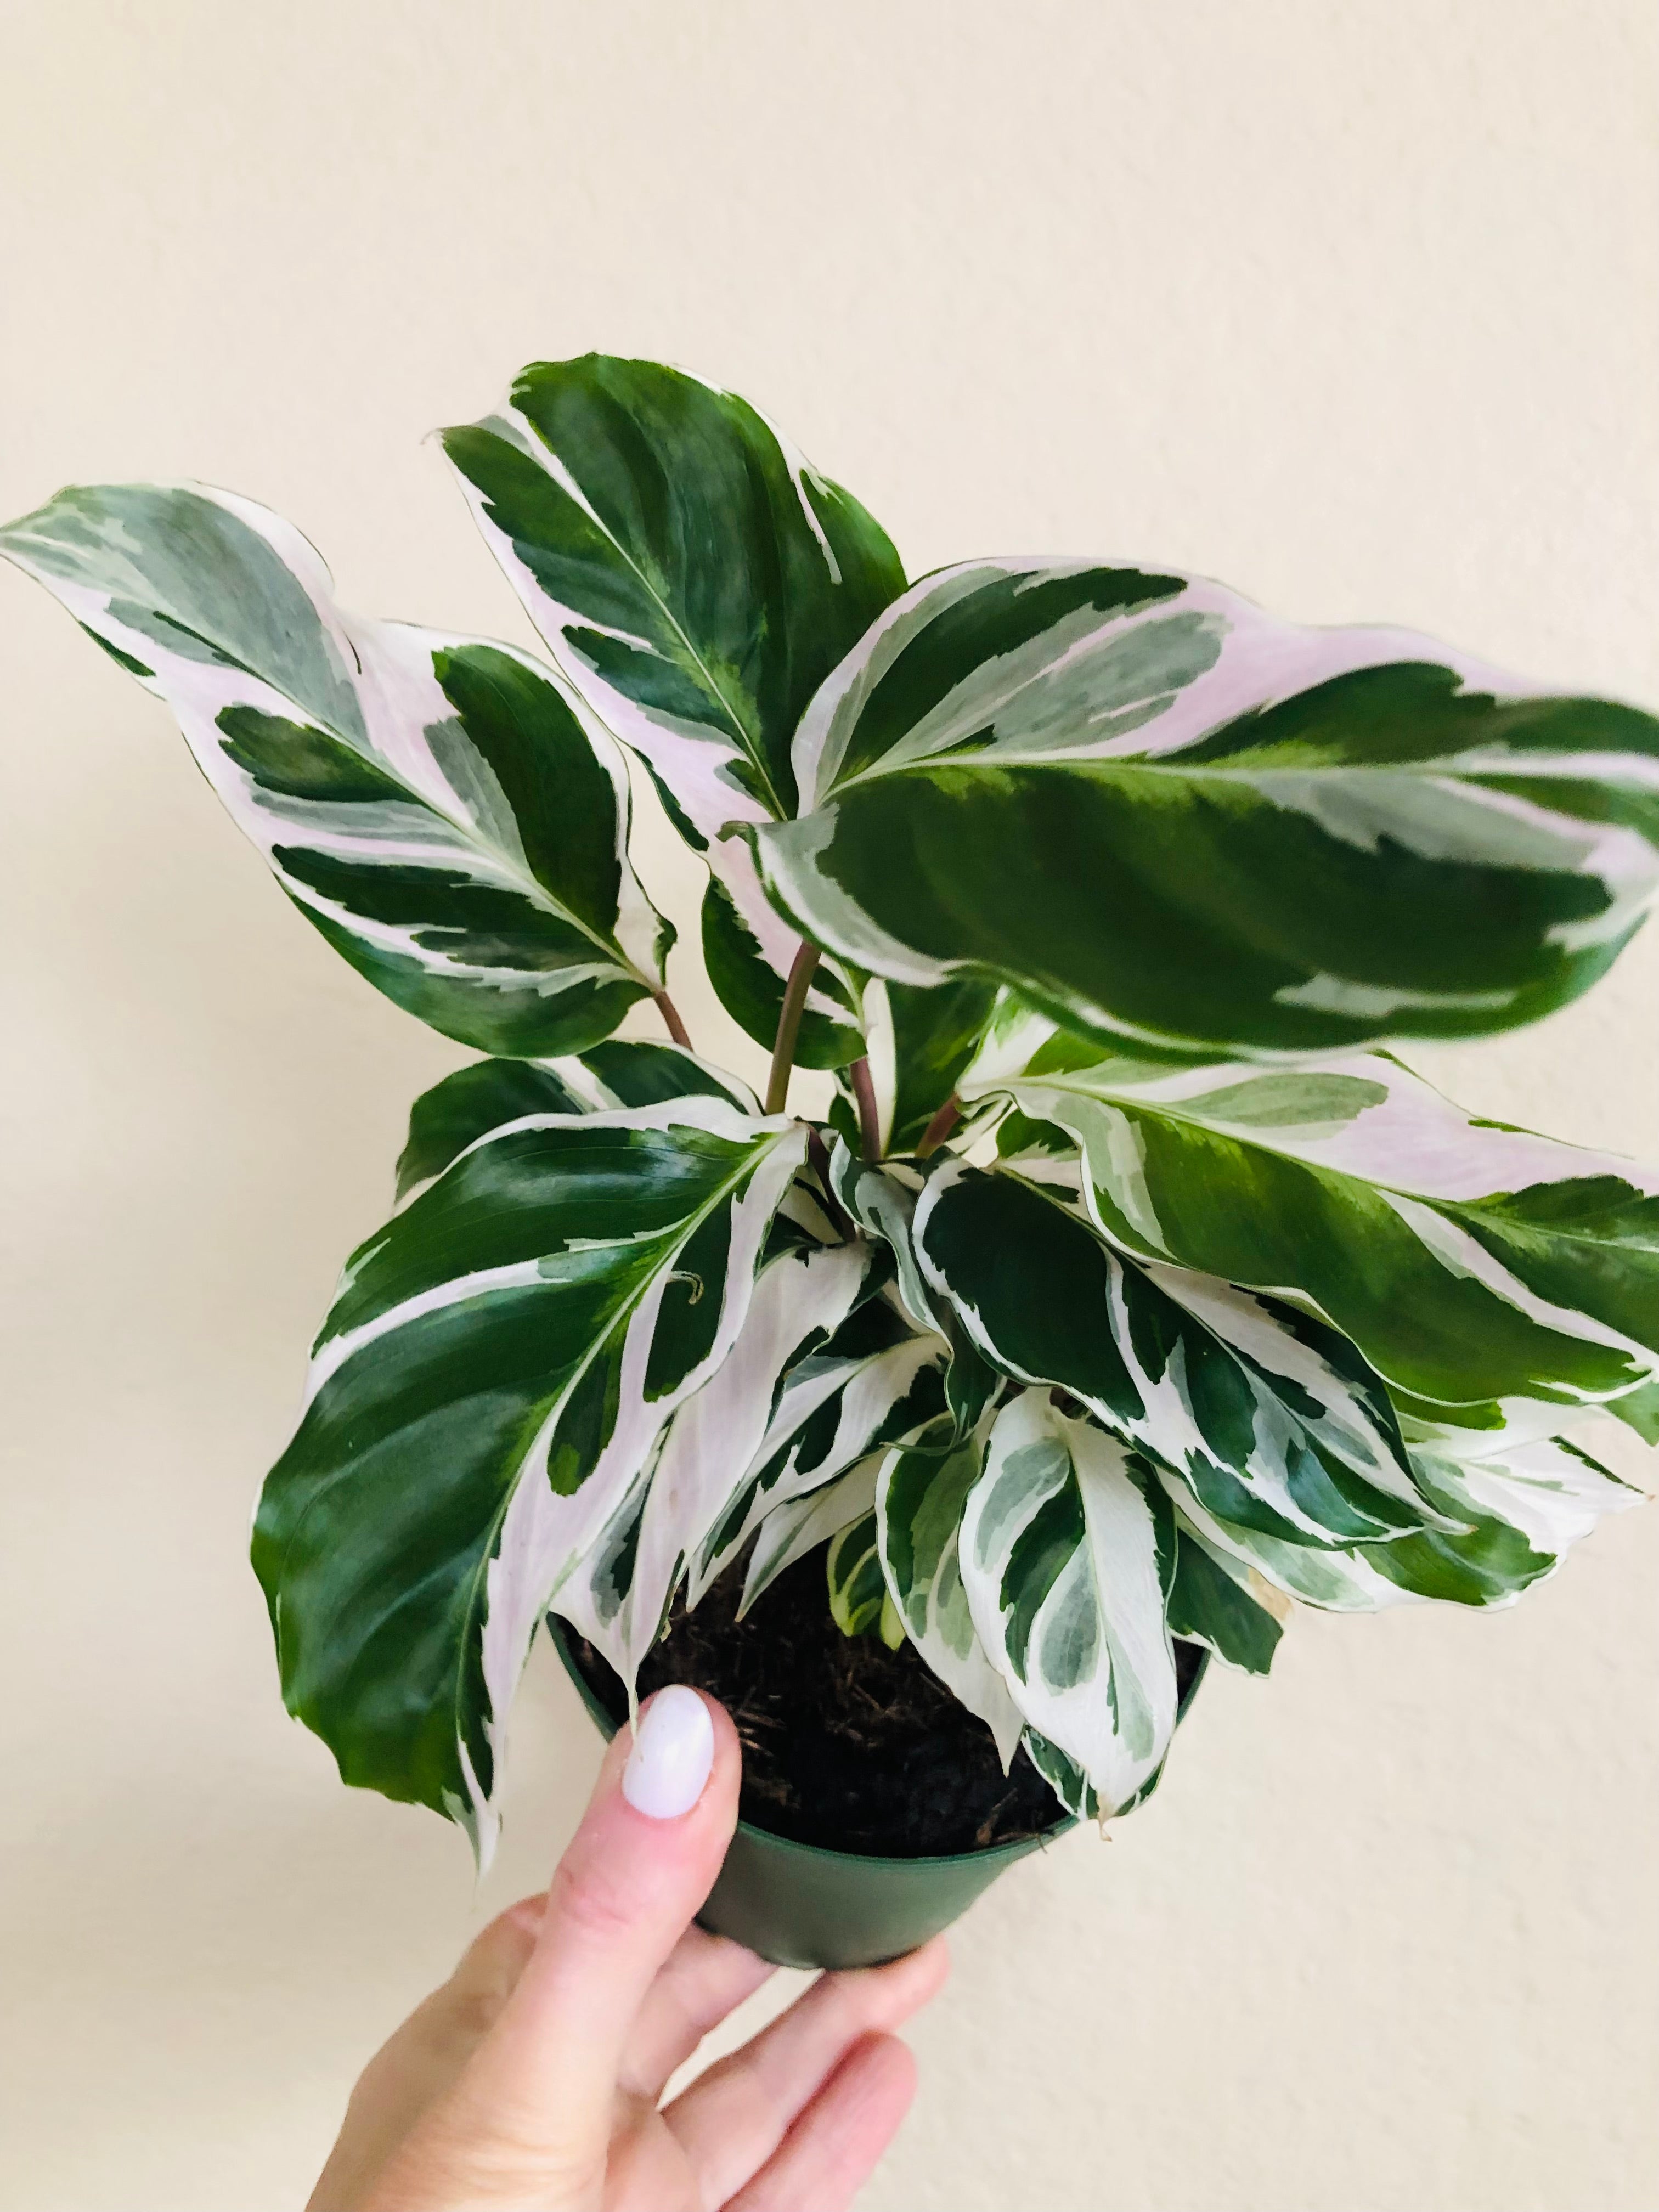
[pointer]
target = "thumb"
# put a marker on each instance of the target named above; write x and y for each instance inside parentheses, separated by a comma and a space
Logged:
(642, 1863)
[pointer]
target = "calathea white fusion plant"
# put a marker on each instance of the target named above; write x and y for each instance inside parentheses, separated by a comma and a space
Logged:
(1133, 1287)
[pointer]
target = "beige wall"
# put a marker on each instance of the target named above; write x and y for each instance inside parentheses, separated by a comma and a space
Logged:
(1357, 306)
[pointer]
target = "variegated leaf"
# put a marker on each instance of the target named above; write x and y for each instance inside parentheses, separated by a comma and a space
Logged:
(794, 1528)
(433, 804)
(1270, 1417)
(873, 1383)
(1068, 1557)
(1335, 1580)
(1070, 1785)
(454, 1113)
(1551, 1489)
(1213, 1602)
(858, 1592)
(466, 1106)
(1475, 1265)
(1168, 820)
(695, 578)
(642, 1072)
(751, 988)
(620, 1603)
(881, 1200)
(919, 1507)
(1015, 1032)
(1525, 1509)
(1520, 1513)
(492, 1383)
(1639, 1410)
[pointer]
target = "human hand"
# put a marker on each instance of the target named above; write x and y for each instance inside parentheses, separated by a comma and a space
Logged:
(532, 2078)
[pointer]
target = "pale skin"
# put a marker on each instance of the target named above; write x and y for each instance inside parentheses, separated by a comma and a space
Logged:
(533, 2078)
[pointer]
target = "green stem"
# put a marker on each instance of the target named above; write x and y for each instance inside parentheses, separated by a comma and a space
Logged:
(789, 1014)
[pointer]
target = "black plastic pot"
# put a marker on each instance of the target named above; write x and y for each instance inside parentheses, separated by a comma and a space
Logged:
(800, 1905)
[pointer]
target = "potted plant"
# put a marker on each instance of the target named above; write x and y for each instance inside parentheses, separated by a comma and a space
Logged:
(1132, 1289)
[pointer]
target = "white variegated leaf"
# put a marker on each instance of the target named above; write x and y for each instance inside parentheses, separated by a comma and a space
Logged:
(1639, 1410)
(882, 1199)
(1063, 1776)
(858, 1593)
(792, 1530)
(1170, 820)
(919, 1507)
(1267, 1414)
(628, 1071)
(917, 1045)
(1220, 1602)
(747, 962)
(1333, 1580)
(486, 1399)
(1068, 1557)
(466, 1105)
(695, 578)
(1491, 1277)
(435, 804)
(798, 1300)
(1521, 1512)
(1015, 1033)
(1524, 1508)
(833, 1410)
(1553, 1493)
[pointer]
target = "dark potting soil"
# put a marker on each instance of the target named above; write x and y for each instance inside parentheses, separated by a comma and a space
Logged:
(845, 1743)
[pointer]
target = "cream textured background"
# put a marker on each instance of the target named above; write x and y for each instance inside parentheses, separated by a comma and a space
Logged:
(1355, 306)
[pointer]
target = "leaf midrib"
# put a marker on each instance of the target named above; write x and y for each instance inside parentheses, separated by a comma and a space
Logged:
(1464, 1209)
(1127, 767)
(530, 885)
(747, 739)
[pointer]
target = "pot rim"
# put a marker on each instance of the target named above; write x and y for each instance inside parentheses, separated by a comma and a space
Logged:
(1018, 1847)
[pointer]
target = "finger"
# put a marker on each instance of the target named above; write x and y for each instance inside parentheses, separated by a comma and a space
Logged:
(833, 2149)
(425, 2057)
(488, 1969)
(733, 2119)
(619, 1901)
(705, 1977)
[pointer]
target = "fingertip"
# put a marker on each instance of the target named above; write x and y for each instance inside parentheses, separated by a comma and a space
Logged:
(893, 2070)
(726, 1775)
(933, 1959)
(672, 1757)
(681, 1752)
(726, 1743)
(915, 1978)
(728, 1747)
(493, 1961)
(528, 1913)
(837, 2142)
(870, 2092)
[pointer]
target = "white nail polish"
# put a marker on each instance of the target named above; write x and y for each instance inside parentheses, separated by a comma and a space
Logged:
(673, 1750)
